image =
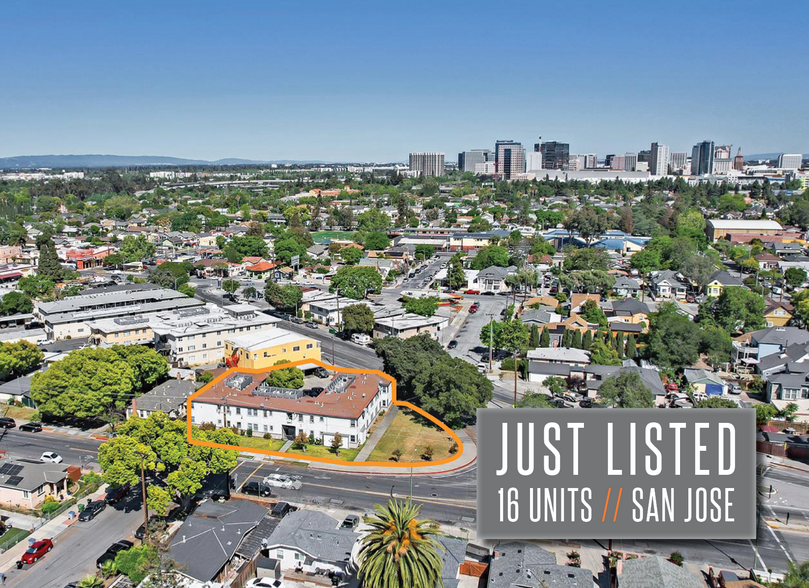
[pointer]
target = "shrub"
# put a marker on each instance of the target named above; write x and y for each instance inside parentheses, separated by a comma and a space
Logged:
(676, 558)
(249, 432)
(91, 478)
(396, 455)
(427, 455)
(207, 427)
(267, 436)
(453, 449)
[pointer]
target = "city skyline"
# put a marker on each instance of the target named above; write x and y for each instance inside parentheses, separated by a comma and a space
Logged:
(283, 82)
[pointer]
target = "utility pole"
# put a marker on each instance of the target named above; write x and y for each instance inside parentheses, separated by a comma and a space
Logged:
(491, 340)
(145, 507)
(515, 378)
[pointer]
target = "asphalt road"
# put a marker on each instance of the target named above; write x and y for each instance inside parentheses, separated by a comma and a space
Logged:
(75, 550)
(75, 450)
(449, 499)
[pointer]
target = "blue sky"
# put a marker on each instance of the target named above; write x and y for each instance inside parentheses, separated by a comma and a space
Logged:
(371, 81)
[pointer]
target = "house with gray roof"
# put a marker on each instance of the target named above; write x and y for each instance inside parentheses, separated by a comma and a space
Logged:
(525, 565)
(307, 540)
(625, 287)
(493, 279)
(668, 284)
(656, 572)
(169, 397)
(206, 543)
(27, 484)
(452, 556)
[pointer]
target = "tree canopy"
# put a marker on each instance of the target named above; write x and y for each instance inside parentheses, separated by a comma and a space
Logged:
(356, 282)
(358, 318)
(291, 377)
(626, 390)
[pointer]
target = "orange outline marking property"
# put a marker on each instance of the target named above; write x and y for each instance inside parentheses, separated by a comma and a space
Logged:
(300, 457)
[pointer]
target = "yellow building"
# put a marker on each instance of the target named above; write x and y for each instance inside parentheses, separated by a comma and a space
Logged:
(777, 314)
(265, 349)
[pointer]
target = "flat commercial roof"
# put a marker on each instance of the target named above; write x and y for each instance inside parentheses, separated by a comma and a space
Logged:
(263, 339)
(742, 224)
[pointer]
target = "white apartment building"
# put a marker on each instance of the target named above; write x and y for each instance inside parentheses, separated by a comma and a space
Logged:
(533, 161)
(69, 318)
(197, 336)
(347, 406)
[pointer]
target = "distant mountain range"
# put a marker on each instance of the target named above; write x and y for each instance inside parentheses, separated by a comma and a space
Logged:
(87, 161)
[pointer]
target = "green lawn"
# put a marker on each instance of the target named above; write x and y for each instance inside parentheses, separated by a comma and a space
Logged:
(321, 451)
(411, 436)
(17, 412)
(325, 236)
(12, 537)
(259, 443)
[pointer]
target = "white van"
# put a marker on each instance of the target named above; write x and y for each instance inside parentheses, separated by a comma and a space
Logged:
(361, 339)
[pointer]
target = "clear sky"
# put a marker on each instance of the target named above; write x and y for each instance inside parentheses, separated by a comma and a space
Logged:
(371, 81)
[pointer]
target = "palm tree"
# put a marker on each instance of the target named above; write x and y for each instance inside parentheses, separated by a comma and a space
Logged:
(108, 569)
(797, 576)
(91, 581)
(400, 551)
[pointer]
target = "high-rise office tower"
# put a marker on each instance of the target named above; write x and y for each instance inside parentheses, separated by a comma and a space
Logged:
(427, 163)
(555, 155)
(468, 159)
(722, 163)
(678, 160)
(533, 161)
(630, 161)
(590, 161)
(645, 155)
(790, 161)
(659, 160)
(702, 158)
(738, 161)
(608, 160)
(618, 162)
(509, 157)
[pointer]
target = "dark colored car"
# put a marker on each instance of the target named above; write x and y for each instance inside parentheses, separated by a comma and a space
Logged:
(315, 391)
(256, 488)
(36, 550)
(586, 403)
(7, 423)
(114, 550)
(31, 427)
(113, 495)
(350, 522)
(282, 509)
(452, 344)
(488, 293)
(321, 372)
(92, 509)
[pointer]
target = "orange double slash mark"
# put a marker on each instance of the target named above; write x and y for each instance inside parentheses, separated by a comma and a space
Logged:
(607, 504)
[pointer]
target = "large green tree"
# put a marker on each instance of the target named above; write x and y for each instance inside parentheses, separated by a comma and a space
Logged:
(285, 297)
(425, 306)
(18, 358)
(356, 282)
(400, 551)
(456, 277)
(93, 381)
(358, 318)
(16, 303)
(491, 255)
(626, 390)
(291, 377)
(673, 340)
(452, 390)
(179, 466)
(49, 265)
(737, 309)
(136, 248)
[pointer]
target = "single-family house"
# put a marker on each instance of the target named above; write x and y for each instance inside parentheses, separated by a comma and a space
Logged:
(169, 397)
(721, 280)
(564, 362)
(657, 572)
(307, 540)
(525, 565)
(777, 313)
(705, 382)
(626, 287)
(668, 284)
(27, 484)
(206, 544)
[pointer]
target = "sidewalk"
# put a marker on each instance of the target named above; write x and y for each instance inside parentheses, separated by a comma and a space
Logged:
(381, 429)
(49, 530)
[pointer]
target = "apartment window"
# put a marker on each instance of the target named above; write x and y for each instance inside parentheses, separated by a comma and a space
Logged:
(266, 354)
(26, 494)
(238, 410)
(255, 356)
(205, 346)
(280, 554)
(265, 428)
(322, 419)
(300, 417)
(353, 423)
(219, 344)
(116, 335)
(299, 556)
(192, 347)
(270, 427)
(353, 438)
(308, 345)
(296, 348)
(311, 419)
(220, 422)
